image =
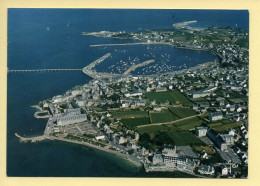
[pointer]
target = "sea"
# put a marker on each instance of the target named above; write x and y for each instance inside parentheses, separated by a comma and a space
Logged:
(51, 38)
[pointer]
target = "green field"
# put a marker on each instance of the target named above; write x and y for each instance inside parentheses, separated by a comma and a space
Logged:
(129, 114)
(216, 124)
(233, 95)
(225, 127)
(162, 117)
(133, 122)
(174, 97)
(187, 124)
(236, 95)
(180, 137)
(182, 112)
(183, 138)
(191, 125)
(152, 130)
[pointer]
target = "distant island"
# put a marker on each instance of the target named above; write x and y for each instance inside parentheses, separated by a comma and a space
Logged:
(194, 120)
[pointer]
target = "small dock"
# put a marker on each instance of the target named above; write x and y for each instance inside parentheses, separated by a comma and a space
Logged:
(30, 139)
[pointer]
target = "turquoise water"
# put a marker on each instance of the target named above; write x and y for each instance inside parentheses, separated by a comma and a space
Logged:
(43, 38)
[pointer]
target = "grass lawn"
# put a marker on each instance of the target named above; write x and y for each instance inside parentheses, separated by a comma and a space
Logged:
(174, 97)
(133, 122)
(129, 114)
(162, 117)
(182, 112)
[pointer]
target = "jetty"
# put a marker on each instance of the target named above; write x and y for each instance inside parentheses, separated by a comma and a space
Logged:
(183, 24)
(44, 70)
(132, 68)
(30, 139)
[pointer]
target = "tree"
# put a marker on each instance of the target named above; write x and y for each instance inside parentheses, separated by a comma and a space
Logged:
(115, 97)
(144, 140)
(163, 138)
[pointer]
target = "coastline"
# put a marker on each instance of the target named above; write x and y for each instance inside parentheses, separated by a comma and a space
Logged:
(44, 137)
(118, 154)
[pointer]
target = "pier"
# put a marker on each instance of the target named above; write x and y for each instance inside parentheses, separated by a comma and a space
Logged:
(30, 139)
(132, 68)
(44, 70)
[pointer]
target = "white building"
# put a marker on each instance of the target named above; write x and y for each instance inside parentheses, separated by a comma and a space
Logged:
(206, 169)
(100, 137)
(201, 131)
(229, 139)
(200, 94)
(214, 116)
(224, 171)
(120, 140)
(157, 159)
(133, 94)
(71, 119)
(170, 151)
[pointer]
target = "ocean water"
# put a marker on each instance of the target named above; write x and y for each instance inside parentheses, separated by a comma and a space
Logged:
(51, 38)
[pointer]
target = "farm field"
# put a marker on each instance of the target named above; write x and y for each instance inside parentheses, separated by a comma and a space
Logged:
(129, 114)
(182, 112)
(183, 138)
(187, 124)
(152, 129)
(180, 137)
(228, 126)
(174, 97)
(133, 122)
(162, 117)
